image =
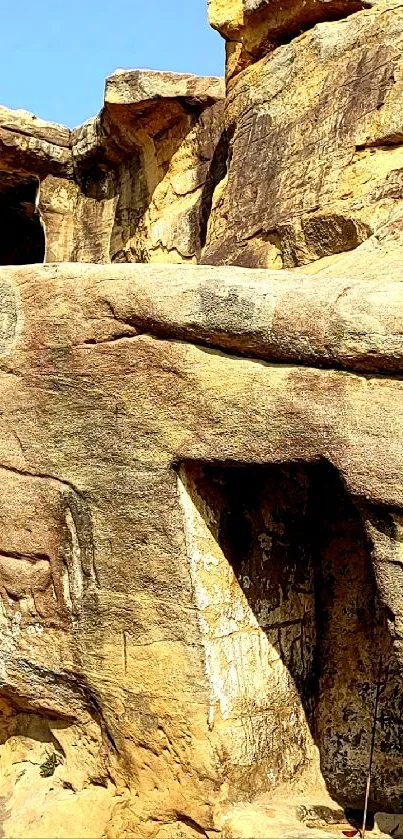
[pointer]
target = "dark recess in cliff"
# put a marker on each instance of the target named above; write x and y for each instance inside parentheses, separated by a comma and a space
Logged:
(22, 236)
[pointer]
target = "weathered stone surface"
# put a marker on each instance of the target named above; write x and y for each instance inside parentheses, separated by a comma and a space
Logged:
(171, 517)
(201, 492)
(389, 823)
(134, 184)
(33, 146)
(34, 156)
(138, 87)
(52, 772)
(254, 28)
(167, 145)
(314, 139)
(349, 323)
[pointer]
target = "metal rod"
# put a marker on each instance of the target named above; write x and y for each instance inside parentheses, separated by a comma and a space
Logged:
(371, 753)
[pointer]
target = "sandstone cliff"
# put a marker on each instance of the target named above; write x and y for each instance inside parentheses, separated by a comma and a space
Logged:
(314, 142)
(171, 513)
(130, 185)
(201, 492)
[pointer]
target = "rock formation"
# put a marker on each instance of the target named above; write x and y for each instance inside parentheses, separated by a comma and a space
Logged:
(253, 28)
(172, 515)
(201, 493)
(314, 142)
(130, 185)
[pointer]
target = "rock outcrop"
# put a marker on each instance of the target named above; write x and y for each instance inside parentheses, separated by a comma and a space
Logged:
(148, 155)
(253, 28)
(314, 145)
(171, 515)
(133, 184)
(201, 491)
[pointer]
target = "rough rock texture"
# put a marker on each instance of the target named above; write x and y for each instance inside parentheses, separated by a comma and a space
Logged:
(199, 551)
(380, 254)
(201, 491)
(349, 323)
(167, 127)
(253, 28)
(314, 145)
(133, 184)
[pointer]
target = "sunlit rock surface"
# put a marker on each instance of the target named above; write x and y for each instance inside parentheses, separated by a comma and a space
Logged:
(201, 491)
(199, 547)
(133, 184)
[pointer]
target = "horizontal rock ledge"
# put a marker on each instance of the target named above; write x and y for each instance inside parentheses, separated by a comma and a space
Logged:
(277, 316)
(139, 87)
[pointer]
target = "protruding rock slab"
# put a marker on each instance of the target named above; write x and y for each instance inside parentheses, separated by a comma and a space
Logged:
(138, 87)
(33, 146)
(133, 184)
(276, 316)
(23, 122)
(230, 17)
(162, 132)
(255, 27)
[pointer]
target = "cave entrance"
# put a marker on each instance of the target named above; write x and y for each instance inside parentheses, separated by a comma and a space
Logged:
(22, 236)
(293, 630)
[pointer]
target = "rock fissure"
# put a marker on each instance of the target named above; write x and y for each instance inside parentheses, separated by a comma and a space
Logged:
(41, 476)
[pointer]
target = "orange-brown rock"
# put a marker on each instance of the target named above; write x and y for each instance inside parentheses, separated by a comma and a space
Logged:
(134, 184)
(199, 550)
(314, 146)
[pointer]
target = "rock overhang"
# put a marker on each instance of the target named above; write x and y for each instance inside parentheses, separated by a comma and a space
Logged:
(157, 131)
(318, 346)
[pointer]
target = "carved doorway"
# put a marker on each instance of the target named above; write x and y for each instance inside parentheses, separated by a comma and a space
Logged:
(293, 629)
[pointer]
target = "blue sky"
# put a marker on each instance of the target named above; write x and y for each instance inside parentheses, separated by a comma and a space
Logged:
(55, 54)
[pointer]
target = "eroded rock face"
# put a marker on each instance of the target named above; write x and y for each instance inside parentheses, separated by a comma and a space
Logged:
(135, 184)
(199, 552)
(201, 494)
(254, 28)
(314, 146)
(167, 127)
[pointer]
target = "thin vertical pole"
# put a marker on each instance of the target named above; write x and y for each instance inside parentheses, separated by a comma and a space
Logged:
(371, 753)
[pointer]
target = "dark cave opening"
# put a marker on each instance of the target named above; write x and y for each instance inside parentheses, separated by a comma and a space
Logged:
(299, 551)
(22, 236)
